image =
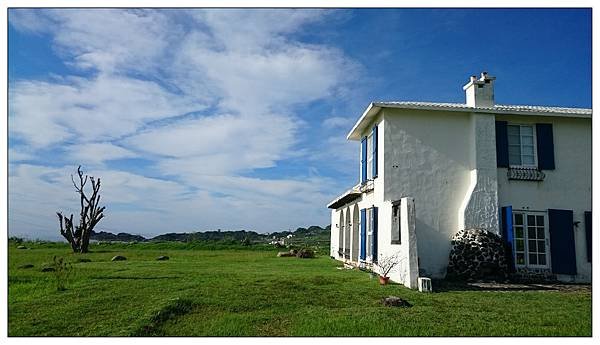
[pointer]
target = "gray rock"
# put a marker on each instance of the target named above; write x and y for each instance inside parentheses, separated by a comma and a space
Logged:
(162, 258)
(21, 247)
(284, 254)
(48, 269)
(118, 258)
(26, 266)
(393, 301)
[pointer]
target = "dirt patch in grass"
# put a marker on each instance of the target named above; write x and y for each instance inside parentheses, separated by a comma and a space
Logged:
(176, 308)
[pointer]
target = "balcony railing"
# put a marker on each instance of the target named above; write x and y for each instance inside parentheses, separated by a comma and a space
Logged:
(525, 174)
(366, 187)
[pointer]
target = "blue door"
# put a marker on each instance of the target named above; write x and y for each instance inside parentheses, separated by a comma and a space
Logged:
(363, 234)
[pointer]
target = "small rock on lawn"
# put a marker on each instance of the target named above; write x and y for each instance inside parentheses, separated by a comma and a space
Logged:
(285, 254)
(26, 266)
(393, 301)
(21, 247)
(162, 258)
(48, 269)
(118, 258)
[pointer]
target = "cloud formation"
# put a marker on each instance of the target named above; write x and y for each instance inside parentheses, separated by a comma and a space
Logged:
(207, 104)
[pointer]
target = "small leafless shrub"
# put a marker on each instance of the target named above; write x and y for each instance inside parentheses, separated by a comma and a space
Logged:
(62, 272)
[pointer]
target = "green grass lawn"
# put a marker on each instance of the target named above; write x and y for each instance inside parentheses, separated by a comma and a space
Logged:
(253, 293)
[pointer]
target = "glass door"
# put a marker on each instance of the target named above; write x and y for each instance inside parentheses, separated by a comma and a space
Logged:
(531, 239)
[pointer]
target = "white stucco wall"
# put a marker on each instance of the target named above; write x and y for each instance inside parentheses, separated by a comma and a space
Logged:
(479, 208)
(427, 157)
(567, 187)
(407, 251)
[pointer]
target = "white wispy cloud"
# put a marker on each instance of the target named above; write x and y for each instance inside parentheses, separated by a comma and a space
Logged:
(97, 153)
(105, 107)
(337, 122)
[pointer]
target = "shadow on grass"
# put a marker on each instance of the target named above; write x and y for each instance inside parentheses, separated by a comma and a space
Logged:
(172, 310)
(134, 278)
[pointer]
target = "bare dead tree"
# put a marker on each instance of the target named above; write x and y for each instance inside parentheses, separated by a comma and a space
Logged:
(91, 213)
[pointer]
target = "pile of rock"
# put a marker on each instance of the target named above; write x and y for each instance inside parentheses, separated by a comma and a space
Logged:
(477, 254)
(302, 253)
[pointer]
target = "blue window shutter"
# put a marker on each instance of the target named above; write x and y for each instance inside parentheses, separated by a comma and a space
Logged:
(508, 235)
(545, 146)
(502, 144)
(363, 160)
(363, 234)
(374, 244)
(588, 234)
(374, 151)
(562, 241)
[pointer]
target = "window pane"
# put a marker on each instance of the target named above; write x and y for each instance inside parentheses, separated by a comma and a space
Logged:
(519, 218)
(518, 232)
(540, 220)
(542, 259)
(514, 160)
(531, 233)
(526, 130)
(527, 160)
(514, 140)
(520, 245)
(533, 259)
(520, 259)
(513, 130)
(541, 234)
(527, 140)
(527, 150)
(530, 220)
(541, 246)
(532, 246)
(514, 150)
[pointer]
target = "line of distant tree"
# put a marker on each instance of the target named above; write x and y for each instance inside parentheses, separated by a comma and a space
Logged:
(218, 235)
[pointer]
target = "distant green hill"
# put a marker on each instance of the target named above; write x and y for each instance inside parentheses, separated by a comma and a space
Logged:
(312, 235)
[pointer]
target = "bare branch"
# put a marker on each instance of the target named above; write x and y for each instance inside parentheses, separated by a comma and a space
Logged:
(90, 214)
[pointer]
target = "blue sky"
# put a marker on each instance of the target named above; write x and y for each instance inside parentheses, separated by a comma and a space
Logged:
(236, 119)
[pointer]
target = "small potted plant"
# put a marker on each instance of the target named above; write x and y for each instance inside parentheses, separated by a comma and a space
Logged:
(386, 264)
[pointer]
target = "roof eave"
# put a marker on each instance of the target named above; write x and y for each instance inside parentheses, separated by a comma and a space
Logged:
(355, 132)
(374, 107)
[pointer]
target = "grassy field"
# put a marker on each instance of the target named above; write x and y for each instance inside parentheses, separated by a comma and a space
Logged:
(253, 293)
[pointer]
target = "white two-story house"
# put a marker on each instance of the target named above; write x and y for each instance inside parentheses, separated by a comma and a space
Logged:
(428, 170)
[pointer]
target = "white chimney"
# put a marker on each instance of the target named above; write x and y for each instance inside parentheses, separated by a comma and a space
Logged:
(480, 92)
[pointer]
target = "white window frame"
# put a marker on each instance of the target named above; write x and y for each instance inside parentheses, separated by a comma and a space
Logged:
(370, 156)
(526, 239)
(533, 131)
(396, 222)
